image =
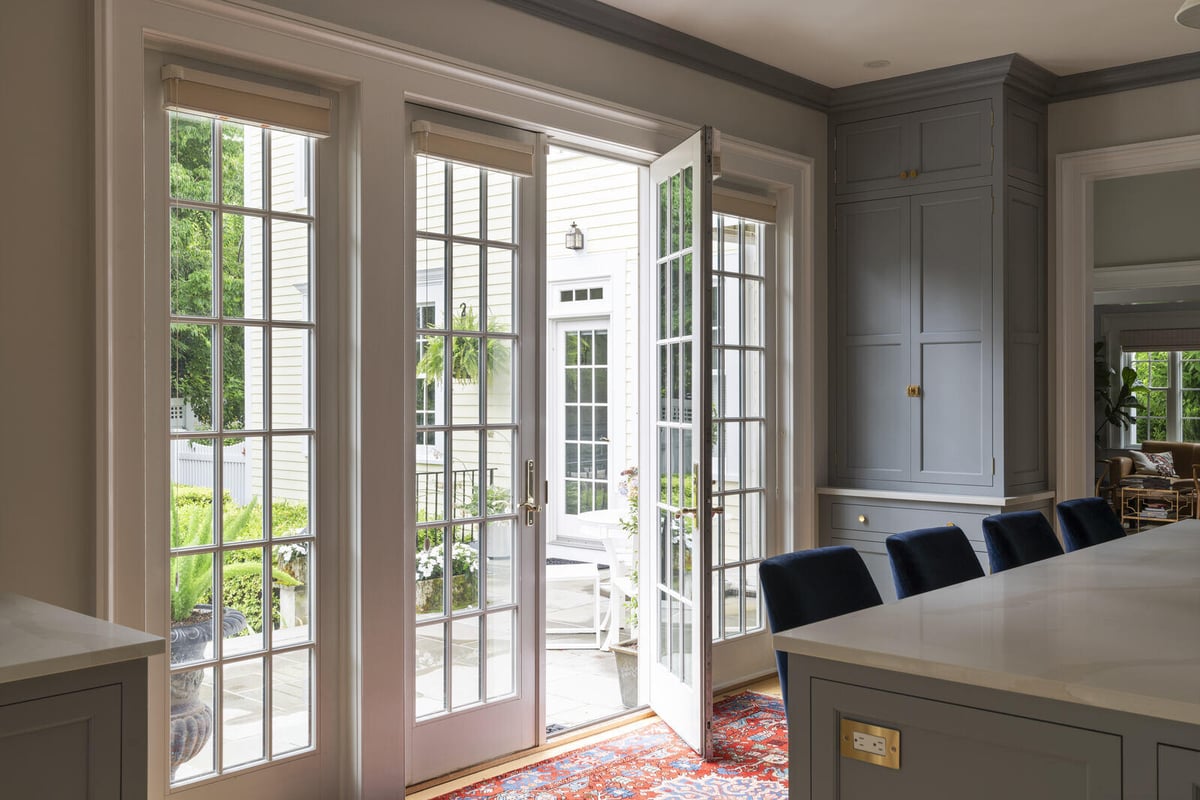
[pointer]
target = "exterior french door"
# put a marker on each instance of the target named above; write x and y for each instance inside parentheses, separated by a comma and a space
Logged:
(471, 667)
(677, 637)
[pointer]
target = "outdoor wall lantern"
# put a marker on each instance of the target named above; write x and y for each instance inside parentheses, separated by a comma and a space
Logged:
(574, 238)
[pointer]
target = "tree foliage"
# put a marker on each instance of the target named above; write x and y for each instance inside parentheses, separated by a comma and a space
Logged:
(192, 145)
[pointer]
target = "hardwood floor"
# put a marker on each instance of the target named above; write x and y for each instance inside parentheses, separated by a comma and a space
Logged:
(559, 745)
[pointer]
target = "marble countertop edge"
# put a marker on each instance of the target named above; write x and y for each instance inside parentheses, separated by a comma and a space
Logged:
(1148, 705)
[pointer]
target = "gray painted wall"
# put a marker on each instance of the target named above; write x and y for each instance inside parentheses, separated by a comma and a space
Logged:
(47, 413)
(1147, 219)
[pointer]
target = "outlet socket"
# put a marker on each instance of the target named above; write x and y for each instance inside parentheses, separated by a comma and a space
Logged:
(870, 743)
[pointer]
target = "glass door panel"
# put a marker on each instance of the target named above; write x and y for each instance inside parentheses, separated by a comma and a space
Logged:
(680, 594)
(472, 666)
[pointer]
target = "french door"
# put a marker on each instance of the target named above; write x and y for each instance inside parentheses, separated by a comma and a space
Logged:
(677, 637)
(471, 665)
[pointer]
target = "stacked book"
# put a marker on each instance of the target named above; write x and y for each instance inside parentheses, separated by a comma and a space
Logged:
(1146, 482)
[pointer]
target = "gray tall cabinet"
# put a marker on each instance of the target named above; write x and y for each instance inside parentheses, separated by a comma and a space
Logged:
(938, 325)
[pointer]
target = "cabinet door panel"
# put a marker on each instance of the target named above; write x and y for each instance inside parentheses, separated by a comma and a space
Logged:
(951, 260)
(953, 751)
(871, 154)
(955, 424)
(1178, 773)
(953, 142)
(872, 272)
(874, 413)
(873, 248)
(64, 746)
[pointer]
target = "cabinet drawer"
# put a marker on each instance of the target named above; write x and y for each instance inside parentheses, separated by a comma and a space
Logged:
(855, 519)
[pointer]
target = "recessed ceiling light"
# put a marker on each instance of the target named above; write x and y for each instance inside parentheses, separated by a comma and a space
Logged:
(880, 63)
(1189, 14)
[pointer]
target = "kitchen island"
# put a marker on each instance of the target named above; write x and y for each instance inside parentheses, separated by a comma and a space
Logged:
(72, 703)
(1074, 677)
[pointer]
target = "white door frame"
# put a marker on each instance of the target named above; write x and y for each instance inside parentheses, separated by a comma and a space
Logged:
(1071, 360)
(372, 79)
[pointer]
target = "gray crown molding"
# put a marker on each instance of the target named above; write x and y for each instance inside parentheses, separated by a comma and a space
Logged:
(1129, 76)
(1013, 69)
(621, 27)
(629, 30)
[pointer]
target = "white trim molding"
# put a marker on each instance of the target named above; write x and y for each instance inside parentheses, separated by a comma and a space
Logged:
(1075, 284)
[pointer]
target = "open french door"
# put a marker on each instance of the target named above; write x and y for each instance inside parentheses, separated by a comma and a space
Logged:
(677, 632)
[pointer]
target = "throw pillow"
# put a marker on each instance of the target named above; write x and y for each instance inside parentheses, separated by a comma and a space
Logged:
(1141, 463)
(1164, 464)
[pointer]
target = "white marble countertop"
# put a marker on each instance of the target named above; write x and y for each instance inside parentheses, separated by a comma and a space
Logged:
(1115, 626)
(38, 639)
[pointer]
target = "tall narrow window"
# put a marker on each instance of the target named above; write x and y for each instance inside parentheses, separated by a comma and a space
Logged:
(739, 365)
(243, 545)
(585, 413)
(426, 389)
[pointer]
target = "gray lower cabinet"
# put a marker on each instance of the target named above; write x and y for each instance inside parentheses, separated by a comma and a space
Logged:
(79, 734)
(864, 523)
(953, 751)
(1178, 773)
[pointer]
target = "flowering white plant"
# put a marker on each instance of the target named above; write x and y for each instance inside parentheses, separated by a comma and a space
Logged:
(429, 562)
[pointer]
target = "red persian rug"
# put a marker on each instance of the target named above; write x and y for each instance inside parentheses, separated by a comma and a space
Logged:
(750, 743)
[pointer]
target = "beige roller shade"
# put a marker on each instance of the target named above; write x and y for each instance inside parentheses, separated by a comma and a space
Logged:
(731, 202)
(1152, 341)
(192, 91)
(468, 147)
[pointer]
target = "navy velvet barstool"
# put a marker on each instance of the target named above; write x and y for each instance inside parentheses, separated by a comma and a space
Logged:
(930, 558)
(1088, 521)
(1019, 538)
(812, 585)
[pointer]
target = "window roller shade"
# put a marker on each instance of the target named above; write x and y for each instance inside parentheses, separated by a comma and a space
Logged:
(475, 149)
(1153, 341)
(195, 92)
(733, 203)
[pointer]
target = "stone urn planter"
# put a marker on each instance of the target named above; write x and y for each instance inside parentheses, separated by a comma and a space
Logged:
(191, 717)
(464, 593)
(626, 655)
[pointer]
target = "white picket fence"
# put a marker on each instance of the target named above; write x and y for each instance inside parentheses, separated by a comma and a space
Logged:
(192, 465)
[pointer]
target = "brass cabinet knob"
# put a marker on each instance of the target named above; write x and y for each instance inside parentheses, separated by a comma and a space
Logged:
(949, 524)
(903, 174)
(913, 390)
(862, 518)
(912, 173)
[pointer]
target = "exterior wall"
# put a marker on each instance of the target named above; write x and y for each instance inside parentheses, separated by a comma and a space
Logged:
(47, 324)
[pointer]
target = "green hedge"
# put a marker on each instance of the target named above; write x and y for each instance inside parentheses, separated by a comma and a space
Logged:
(243, 591)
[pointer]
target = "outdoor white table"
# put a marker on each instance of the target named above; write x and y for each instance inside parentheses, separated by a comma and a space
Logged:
(1078, 676)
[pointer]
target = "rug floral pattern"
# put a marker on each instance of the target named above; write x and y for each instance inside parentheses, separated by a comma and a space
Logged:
(750, 761)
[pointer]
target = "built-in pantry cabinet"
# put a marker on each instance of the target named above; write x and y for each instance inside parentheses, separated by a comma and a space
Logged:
(938, 328)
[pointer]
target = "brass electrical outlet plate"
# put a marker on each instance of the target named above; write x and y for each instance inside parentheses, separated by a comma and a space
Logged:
(891, 743)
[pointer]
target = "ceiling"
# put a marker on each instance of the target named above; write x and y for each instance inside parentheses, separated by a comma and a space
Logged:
(828, 41)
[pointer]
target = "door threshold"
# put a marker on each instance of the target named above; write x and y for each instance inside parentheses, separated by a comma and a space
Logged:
(566, 740)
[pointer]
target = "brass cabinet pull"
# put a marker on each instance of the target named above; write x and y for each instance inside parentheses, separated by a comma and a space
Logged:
(862, 518)
(912, 173)
(949, 524)
(913, 390)
(903, 174)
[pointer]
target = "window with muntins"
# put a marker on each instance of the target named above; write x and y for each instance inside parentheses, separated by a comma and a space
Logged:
(1168, 386)
(243, 545)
